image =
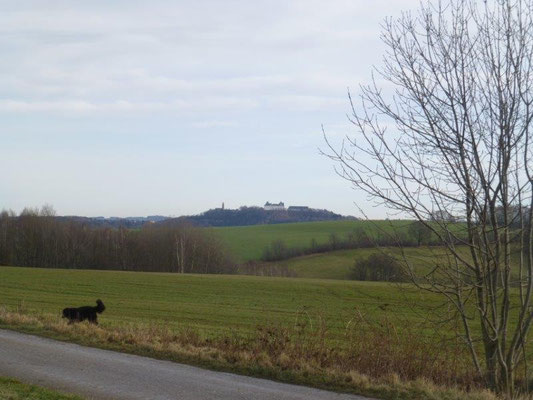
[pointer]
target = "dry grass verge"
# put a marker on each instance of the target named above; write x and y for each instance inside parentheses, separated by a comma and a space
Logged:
(382, 361)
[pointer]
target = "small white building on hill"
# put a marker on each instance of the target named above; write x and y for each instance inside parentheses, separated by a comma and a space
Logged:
(272, 206)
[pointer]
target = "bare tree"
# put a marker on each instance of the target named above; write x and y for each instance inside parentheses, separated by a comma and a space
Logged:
(445, 129)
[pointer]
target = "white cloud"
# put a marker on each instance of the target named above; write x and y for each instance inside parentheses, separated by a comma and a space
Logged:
(307, 103)
(214, 124)
(121, 106)
(107, 52)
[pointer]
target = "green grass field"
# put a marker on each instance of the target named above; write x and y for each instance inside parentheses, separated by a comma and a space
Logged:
(11, 389)
(248, 242)
(337, 264)
(333, 334)
(214, 304)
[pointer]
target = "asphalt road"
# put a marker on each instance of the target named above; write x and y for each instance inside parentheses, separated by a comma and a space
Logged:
(102, 374)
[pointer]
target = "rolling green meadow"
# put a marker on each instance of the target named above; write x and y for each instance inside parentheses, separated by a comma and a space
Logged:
(337, 264)
(248, 242)
(213, 304)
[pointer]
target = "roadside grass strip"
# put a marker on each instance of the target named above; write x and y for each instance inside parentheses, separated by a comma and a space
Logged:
(11, 389)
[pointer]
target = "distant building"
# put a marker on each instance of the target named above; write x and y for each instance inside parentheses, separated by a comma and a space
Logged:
(272, 206)
(298, 208)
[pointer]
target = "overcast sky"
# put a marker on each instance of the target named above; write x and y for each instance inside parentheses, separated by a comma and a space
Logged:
(120, 108)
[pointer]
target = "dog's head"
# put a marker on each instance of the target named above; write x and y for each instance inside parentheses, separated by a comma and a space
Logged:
(100, 306)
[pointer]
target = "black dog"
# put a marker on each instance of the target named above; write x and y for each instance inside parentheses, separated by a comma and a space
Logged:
(84, 313)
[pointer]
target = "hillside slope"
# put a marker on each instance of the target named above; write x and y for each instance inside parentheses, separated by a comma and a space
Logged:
(248, 242)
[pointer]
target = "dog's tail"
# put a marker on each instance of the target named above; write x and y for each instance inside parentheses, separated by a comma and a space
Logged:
(100, 306)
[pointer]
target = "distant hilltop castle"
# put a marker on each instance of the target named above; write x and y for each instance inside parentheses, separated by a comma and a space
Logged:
(281, 206)
(272, 206)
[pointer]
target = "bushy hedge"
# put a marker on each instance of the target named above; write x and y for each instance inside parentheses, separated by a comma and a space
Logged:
(378, 267)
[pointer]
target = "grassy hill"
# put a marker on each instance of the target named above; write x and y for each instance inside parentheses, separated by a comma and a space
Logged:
(337, 264)
(248, 242)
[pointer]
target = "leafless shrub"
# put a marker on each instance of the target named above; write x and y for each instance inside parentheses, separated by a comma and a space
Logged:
(378, 267)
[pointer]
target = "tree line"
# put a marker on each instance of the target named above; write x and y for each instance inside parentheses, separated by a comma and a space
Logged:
(255, 216)
(37, 238)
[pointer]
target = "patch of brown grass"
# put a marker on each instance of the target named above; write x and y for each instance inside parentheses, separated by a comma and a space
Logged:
(377, 359)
